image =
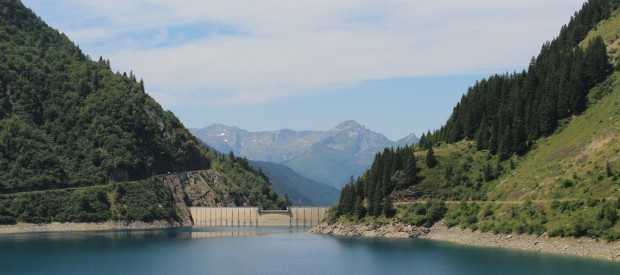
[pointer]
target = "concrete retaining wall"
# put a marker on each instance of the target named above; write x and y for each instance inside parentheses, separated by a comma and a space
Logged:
(252, 217)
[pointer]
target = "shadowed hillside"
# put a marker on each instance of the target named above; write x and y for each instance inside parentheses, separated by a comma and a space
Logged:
(70, 125)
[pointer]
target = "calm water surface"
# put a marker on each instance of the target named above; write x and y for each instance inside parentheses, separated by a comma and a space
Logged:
(268, 251)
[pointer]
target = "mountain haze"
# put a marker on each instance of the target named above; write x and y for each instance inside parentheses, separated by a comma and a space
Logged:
(325, 156)
(299, 189)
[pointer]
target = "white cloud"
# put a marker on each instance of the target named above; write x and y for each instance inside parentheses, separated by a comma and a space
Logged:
(276, 48)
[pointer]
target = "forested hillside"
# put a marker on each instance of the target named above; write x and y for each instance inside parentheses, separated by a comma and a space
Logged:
(67, 121)
(507, 113)
(528, 152)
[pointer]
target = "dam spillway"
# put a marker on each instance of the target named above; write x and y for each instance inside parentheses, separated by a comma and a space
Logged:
(255, 217)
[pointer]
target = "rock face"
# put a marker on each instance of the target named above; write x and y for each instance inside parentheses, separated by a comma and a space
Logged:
(205, 188)
(201, 188)
(373, 230)
(173, 181)
(329, 157)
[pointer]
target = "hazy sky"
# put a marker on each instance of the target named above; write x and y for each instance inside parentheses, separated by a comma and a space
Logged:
(398, 67)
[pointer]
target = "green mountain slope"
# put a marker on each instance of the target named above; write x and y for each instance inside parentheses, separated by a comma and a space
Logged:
(581, 160)
(68, 122)
(515, 153)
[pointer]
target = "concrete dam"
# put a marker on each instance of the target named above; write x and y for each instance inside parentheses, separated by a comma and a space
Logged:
(255, 217)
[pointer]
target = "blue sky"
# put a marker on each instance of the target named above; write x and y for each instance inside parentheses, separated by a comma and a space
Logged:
(396, 66)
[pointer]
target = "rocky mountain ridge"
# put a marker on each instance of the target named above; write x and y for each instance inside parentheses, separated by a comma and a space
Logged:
(330, 156)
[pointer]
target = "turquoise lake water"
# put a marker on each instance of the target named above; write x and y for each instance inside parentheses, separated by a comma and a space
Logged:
(267, 251)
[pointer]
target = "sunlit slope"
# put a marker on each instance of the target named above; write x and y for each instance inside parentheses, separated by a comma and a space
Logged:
(582, 158)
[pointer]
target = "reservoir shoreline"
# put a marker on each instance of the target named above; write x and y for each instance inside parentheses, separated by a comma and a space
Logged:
(93, 226)
(582, 247)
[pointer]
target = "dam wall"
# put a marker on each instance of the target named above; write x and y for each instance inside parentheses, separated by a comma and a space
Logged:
(254, 217)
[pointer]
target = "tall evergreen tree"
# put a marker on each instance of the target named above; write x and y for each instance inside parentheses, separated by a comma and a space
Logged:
(431, 161)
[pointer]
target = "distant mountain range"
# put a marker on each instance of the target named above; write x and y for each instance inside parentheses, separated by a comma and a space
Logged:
(299, 189)
(329, 156)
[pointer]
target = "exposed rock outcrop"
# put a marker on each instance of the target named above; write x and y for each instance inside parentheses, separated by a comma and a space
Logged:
(583, 247)
(173, 182)
(201, 188)
(210, 188)
(372, 230)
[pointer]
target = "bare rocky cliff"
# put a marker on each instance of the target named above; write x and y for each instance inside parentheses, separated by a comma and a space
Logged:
(201, 188)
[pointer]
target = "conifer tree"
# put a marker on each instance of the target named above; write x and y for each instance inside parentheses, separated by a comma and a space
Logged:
(431, 161)
(388, 207)
(422, 141)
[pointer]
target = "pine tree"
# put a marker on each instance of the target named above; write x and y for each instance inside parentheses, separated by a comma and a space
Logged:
(492, 142)
(597, 64)
(431, 161)
(489, 175)
(411, 170)
(388, 207)
(422, 141)
(346, 204)
(519, 135)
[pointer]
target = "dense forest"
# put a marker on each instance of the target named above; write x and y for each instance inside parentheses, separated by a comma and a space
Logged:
(67, 121)
(392, 170)
(506, 113)
(93, 137)
(497, 122)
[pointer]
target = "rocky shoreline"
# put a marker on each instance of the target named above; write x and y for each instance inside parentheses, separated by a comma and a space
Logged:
(72, 226)
(583, 247)
(372, 230)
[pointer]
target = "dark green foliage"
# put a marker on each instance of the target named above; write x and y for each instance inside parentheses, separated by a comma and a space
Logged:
(466, 215)
(431, 161)
(594, 218)
(424, 214)
(505, 113)
(388, 207)
(526, 218)
(67, 121)
(599, 225)
(83, 205)
(27, 159)
(463, 174)
(426, 141)
(351, 200)
(566, 183)
(612, 170)
(146, 201)
(283, 202)
(248, 182)
(370, 194)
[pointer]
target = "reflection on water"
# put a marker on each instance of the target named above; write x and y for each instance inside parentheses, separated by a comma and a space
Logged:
(174, 233)
(237, 232)
(265, 251)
